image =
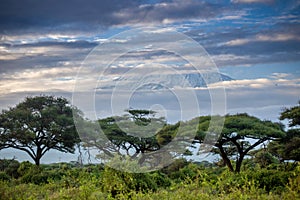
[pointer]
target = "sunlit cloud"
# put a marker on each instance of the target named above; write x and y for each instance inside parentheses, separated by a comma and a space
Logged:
(34, 80)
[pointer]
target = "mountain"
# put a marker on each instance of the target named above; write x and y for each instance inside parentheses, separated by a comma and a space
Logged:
(163, 81)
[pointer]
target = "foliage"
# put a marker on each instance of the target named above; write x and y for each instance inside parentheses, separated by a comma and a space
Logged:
(292, 115)
(37, 125)
(196, 182)
(10, 167)
(264, 158)
(4, 176)
(175, 166)
(288, 147)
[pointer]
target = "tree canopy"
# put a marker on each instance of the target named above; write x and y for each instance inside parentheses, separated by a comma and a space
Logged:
(292, 114)
(39, 124)
(288, 147)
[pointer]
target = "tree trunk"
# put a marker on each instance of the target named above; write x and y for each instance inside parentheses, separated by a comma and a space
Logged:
(38, 156)
(37, 162)
(238, 165)
(239, 161)
(226, 159)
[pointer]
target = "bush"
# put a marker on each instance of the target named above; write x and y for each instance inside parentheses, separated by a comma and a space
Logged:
(189, 171)
(161, 179)
(10, 167)
(272, 180)
(25, 167)
(264, 159)
(31, 173)
(175, 166)
(4, 176)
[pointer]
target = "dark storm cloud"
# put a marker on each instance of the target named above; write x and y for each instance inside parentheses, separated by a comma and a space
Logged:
(30, 14)
(24, 14)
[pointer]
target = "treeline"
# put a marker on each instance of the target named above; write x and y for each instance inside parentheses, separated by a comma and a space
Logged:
(258, 158)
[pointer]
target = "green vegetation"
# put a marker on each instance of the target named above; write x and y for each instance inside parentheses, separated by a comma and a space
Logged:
(181, 180)
(288, 147)
(259, 159)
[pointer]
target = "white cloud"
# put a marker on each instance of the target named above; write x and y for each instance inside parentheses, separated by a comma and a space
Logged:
(10, 56)
(44, 73)
(252, 1)
(278, 37)
(237, 42)
(280, 75)
(6, 55)
(60, 36)
(16, 52)
(233, 16)
(228, 57)
(40, 37)
(38, 80)
(257, 83)
(290, 17)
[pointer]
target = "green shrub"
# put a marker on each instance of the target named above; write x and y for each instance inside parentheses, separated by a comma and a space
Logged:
(272, 180)
(116, 182)
(4, 176)
(10, 167)
(264, 159)
(161, 179)
(31, 173)
(25, 167)
(175, 166)
(189, 171)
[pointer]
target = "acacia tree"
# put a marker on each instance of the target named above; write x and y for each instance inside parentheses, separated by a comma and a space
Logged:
(133, 134)
(240, 135)
(243, 133)
(39, 124)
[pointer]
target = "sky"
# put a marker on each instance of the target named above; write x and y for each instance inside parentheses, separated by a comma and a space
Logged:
(49, 47)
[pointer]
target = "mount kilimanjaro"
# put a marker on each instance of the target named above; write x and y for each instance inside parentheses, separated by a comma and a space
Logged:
(164, 81)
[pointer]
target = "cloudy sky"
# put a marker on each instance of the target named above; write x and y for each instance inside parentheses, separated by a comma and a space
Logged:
(255, 42)
(47, 47)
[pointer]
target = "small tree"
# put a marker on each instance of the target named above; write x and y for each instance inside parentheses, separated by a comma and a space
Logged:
(288, 147)
(39, 124)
